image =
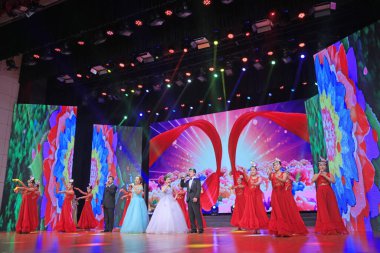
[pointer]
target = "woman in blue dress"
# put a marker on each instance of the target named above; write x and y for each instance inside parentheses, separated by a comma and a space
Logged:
(136, 219)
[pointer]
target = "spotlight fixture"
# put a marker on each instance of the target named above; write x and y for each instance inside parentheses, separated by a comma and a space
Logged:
(171, 51)
(230, 36)
(206, 2)
(65, 79)
(323, 9)
(145, 57)
(47, 55)
(110, 33)
(125, 30)
(302, 56)
(200, 43)
(244, 59)
(302, 44)
(66, 50)
(157, 21)
(138, 22)
(99, 70)
(184, 11)
(99, 38)
(168, 12)
(301, 15)
(262, 26)
(226, 1)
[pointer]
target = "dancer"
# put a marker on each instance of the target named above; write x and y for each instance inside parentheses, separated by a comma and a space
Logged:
(167, 217)
(285, 220)
(254, 215)
(108, 204)
(329, 220)
(34, 205)
(180, 197)
(66, 222)
(127, 196)
(136, 219)
(26, 220)
(239, 203)
(193, 186)
(87, 218)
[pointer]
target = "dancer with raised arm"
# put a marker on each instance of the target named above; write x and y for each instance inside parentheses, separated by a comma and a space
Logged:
(66, 222)
(87, 218)
(193, 186)
(239, 203)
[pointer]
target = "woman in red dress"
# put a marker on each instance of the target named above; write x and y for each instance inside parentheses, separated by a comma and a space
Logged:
(239, 203)
(26, 221)
(180, 197)
(34, 205)
(254, 215)
(66, 223)
(127, 196)
(87, 218)
(329, 220)
(284, 218)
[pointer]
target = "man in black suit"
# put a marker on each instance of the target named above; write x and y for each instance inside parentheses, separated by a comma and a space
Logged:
(193, 186)
(109, 204)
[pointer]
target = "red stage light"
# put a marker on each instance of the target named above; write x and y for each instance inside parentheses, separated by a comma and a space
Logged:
(220, 98)
(109, 33)
(211, 69)
(138, 22)
(140, 86)
(247, 34)
(79, 75)
(167, 80)
(244, 59)
(282, 87)
(302, 44)
(238, 95)
(206, 2)
(168, 12)
(201, 101)
(182, 105)
(121, 65)
(57, 49)
(188, 74)
(230, 36)
(171, 51)
(87, 76)
(122, 90)
(166, 108)
(36, 56)
(301, 15)
(273, 13)
(81, 42)
(132, 64)
(270, 53)
(257, 60)
(185, 50)
(104, 93)
(304, 83)
(148, 111)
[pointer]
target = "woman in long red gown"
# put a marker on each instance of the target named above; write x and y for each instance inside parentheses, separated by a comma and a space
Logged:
(87, 218)
(180, 197)
(284, 219)
(66, 223)
(329, 220)
(254, 215)
(26, 219)
(239, 203)
(127, 196)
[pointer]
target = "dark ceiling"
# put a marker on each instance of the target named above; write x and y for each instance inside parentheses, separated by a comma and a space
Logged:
(73, 21)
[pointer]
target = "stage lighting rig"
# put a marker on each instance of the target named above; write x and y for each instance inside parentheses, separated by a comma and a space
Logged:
(200, 43)
(261, 26)
(323, 9)
(145, 57)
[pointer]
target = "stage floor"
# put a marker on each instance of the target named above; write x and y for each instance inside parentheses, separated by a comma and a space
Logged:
(213, 240)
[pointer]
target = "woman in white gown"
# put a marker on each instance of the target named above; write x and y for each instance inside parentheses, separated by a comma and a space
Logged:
(167, 217)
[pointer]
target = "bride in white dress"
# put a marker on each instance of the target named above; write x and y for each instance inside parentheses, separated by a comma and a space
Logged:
(167, 217)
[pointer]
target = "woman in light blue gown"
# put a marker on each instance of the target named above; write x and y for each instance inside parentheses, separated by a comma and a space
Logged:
(136, 219)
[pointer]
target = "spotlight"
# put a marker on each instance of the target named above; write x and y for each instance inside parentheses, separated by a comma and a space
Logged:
(272, 13)
(145, 57)
(230, 36)
(220, 98)
(216, 42)
(269, 94)
(301, 15)
(125, 30)
(184, 11)
(238, 95)
(209, 105)
(270, 53)
(168, 12)
(141, 114)
(173, 110)
(189, 81)
(98, 70)
(273, 62)
(65, 79)
(168, 85)
(132, 65)
(282, 87)
(201, 101)
(110, 33)
(57, 49)
(104, 93)
(211, 69)
(166, 108)
(191, 108)
(206, 2)
(302, 56)
(292, 90)
(157, 21)
(132, 91)
(138, 22)
(244, 59)
(183, 105)
(80, 42)
(140, 86)
(121, 65)
(200, 43)
(302, 44)
(228, 101)
(36, 56)
(122, 90)
(157, 114)
(171, 51)
(185, 50)
(227, 1)
(147, 91)
(248, 98)
(263, 25)
(167, 80)
(215, 75)
(214, 211)
(243, 69)
(247, 34)
(79, 75)
(188, 74)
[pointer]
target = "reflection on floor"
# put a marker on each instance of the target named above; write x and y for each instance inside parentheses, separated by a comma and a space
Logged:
(213, 240)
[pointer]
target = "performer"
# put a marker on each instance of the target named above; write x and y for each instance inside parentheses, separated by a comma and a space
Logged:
(239, 203)
(74, 205)
(26, 220)
(329, 220)
(193, 186)
(136, 219)
(127, 196)
(254, 215)
(167, 217)
(285, 220)
(34, 205)
(108, 204)
(87, 218)
(180, 197)
(66, 222)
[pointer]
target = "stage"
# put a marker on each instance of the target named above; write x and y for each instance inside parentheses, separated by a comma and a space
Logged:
(223, 239)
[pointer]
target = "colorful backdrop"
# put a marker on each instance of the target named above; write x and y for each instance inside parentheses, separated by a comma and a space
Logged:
(261, 141)
(41, 145)
(348, 83)
(116, 151)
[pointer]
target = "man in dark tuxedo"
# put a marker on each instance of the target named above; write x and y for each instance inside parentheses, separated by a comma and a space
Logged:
(109, 204)
(193, 186)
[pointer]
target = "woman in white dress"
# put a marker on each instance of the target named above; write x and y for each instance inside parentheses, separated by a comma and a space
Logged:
(167, 217)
